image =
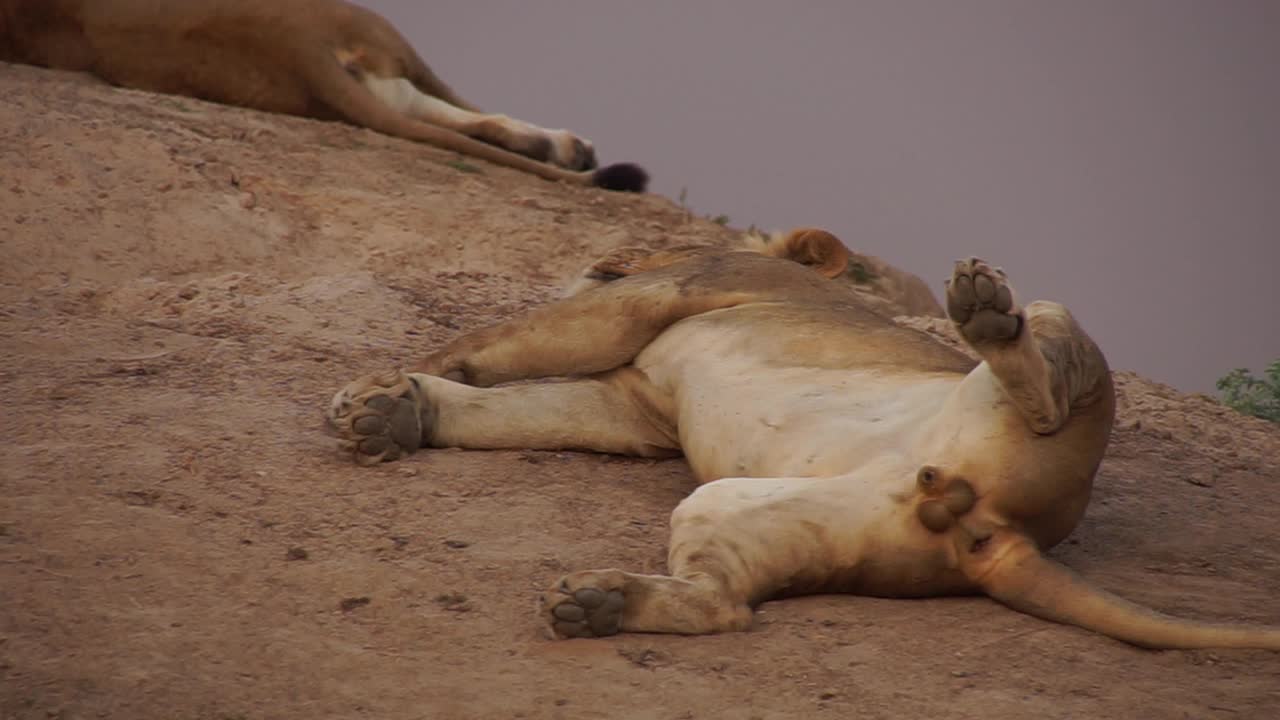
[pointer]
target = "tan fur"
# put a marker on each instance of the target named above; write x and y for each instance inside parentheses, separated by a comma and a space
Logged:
(883, 287)
(326, 59)
(837, 451)
(815, 248)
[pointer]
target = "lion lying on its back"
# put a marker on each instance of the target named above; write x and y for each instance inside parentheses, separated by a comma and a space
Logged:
(326, 59)
(837, 451)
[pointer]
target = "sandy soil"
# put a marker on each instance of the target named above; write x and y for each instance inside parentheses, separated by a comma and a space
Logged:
(184, 286)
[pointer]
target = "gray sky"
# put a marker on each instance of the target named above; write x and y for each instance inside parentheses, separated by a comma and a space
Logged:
(1121, 157)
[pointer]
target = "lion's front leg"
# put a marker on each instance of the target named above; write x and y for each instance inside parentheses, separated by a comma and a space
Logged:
(384, 417)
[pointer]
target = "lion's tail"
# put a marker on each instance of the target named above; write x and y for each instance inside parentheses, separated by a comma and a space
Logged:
(1022, 578)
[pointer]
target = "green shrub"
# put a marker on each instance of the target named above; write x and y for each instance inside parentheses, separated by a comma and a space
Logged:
(1259, 397)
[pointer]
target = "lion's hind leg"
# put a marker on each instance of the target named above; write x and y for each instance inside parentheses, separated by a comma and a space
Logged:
(558, 147)
(734, 542)
(1043, 359)
(598, 603)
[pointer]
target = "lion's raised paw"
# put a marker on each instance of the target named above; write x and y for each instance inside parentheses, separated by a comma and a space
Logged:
(980, 302)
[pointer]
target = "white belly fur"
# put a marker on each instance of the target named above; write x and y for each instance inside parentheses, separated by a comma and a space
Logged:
(742, 416)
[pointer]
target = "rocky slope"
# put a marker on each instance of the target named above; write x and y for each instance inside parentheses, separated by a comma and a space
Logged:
(182, 288)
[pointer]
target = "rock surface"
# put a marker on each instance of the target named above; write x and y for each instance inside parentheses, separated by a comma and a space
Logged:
(182, 288)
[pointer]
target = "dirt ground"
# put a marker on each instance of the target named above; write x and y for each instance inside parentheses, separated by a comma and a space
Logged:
(184, 286)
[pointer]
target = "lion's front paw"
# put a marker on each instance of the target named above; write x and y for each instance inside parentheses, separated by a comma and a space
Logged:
(379, 417)
(585, 604)
(980, 302)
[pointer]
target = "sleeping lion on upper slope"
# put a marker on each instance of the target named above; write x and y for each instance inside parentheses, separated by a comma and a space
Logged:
(326, 59)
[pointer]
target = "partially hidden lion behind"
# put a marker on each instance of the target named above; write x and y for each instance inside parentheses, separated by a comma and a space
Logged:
(883, 287)
(836, 450)
(325, 59)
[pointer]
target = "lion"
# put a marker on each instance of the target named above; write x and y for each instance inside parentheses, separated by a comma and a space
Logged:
(835, 451)
(323, 59)
(884, 287)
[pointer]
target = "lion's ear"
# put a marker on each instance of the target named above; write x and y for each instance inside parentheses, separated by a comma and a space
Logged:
(816, 248)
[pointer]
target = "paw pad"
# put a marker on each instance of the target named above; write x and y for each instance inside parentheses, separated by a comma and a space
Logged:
(379, 417)
(587, 612)
(980, 302)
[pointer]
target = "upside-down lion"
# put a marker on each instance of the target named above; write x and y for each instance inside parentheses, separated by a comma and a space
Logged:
(836, 451)
(326, 59)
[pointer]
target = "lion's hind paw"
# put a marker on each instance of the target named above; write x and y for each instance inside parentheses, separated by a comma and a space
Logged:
(582, 606)
(980, 302)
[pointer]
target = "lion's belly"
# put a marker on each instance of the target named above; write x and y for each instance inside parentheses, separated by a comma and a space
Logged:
(742, 411)
(798, 422)
(742, 414)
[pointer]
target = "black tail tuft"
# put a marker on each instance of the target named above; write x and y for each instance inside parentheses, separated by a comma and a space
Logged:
(622, 177)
